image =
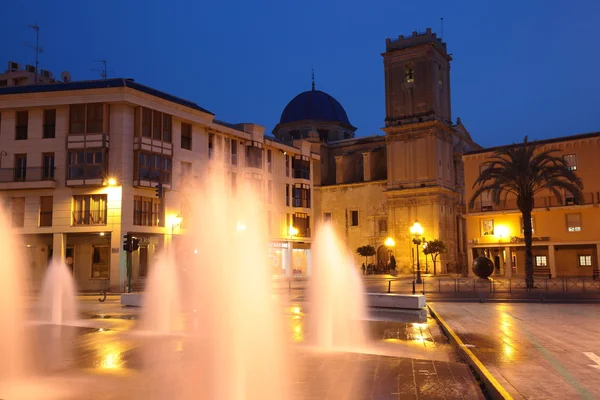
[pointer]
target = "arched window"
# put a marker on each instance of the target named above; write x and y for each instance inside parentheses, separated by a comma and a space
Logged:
(409, 73)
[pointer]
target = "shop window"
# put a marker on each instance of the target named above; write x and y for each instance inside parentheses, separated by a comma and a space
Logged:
(573, 222)
(585, 260)
(541, 261)
(354, 218)
(100, 262)
(143, 262)
(487, 227)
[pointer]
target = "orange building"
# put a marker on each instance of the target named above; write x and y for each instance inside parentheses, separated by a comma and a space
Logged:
(566, 235)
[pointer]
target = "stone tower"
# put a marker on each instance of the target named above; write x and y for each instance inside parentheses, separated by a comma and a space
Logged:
(423, 183)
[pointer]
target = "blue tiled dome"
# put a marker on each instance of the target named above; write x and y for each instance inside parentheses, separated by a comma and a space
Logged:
(314, 105)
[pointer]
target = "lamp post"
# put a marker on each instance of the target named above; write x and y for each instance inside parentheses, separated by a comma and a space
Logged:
(426, 261)
(417, 230)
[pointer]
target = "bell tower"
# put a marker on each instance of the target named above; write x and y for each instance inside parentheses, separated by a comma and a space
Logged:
(417, 79)
(420, 140)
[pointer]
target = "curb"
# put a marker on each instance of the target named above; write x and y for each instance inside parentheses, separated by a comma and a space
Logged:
(494, 389)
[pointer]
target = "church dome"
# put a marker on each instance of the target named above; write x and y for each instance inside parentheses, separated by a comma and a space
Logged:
(314, 105)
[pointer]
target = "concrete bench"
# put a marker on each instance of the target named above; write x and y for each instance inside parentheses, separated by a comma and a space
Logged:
(398, 301)
(131, 299)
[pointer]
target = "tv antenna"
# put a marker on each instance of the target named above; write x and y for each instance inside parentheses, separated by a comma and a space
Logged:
(442, 26)
(37, 48)
(103, 71)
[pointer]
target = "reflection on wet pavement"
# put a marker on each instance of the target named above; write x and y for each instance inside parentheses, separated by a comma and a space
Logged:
(407, 360)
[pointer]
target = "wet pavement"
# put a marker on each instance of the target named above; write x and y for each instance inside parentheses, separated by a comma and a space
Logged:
(535, 351)
(406, 360)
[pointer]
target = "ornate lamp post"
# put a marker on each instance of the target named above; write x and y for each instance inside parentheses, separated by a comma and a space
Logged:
(417, 230)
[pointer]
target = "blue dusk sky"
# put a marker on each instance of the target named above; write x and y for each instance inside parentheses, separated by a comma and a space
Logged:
(520, 67)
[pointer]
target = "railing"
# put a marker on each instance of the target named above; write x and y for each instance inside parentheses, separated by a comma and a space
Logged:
(546, 201)
(494, 285)
(301, 174)
(31, 174)
(86, 171)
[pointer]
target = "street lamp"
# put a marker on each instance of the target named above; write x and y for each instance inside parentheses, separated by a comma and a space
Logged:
(293, 231)
(417, 230)
(175, 222)
(426, 261)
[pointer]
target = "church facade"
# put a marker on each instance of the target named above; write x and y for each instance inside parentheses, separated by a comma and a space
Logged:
(375, 188)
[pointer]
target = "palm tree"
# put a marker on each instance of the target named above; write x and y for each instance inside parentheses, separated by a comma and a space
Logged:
(523, 171)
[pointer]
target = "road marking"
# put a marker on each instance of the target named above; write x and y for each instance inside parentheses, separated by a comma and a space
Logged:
(594, 358)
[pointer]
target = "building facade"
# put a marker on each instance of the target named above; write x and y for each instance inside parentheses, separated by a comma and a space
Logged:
(376, 187)
(566, 235)
(80, 162)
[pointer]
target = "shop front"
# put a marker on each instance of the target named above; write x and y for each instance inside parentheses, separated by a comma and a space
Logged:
(289, 259)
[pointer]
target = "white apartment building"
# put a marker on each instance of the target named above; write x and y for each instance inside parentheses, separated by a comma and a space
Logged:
(79, 163)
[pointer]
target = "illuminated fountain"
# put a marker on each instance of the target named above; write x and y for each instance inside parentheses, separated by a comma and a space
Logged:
(232, 340)
(57, 303)
(14, 354)
(336, 296)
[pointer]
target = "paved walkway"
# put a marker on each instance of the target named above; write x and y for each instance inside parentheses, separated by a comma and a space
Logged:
(535, 351)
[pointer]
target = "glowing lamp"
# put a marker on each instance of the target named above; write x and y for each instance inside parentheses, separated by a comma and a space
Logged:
(293, 231)
(501, 231)
(112, 181)
(389, 242)
(416, 229)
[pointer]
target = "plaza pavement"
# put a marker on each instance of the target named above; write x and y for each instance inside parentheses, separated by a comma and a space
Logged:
(535, 351)
(406, 360)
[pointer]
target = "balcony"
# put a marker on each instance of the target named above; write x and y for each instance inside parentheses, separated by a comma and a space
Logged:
(89, 217)
(88, 140)
(547, 202)
(27, 178)
(86, 175)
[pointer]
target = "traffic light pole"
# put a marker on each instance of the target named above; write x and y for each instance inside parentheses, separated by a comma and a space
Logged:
(128, 264)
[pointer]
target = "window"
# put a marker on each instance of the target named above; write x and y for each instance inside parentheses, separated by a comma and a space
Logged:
(487, 227)
(327, 217)
(523, 227)
(382, 224)
(301, 166)
(269, 161)
(153, 167)
(301, 196)
(186, 136)
(46, 203)
(571, 161)
(49, 127)
(573, 222)
(301, 222)
(354, 218)
(254, 154)
(17, 209)
(585, 260)
(211, 146)
(21, 127)
(143, 262)
(147, 211)
(234, 152)
(540, 261)
(86, 118)
(47, 166)
(269, 192)
(20, 167)
(409, 74)
(89, 209)
(86, 164)
(287, 194)
(287, 165)
(100, 262)
(569, 198)
(186, 170)
(153, 124)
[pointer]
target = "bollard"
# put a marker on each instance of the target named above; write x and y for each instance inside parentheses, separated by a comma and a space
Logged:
(414, 288)
(389, 286)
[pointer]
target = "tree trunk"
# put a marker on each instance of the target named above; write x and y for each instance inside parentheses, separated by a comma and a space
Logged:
(434, 264)
(527, 232)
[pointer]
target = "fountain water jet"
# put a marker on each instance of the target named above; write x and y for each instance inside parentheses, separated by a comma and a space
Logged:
(14, 359)
(233, 343)
(58, 299)
(336, 296)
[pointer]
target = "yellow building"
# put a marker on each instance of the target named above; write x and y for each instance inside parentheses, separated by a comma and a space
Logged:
(566, 236)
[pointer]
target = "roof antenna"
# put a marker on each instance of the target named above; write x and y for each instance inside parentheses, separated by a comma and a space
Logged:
(313, 79)
(37, 48)
(103, 71)
(442, 23)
